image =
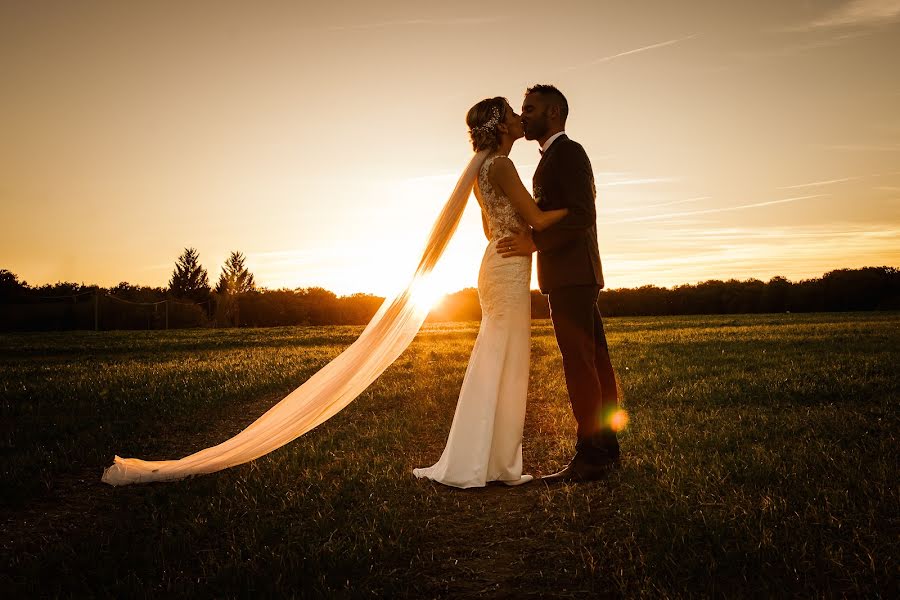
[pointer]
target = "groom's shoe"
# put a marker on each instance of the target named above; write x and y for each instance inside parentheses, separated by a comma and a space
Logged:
(579, 470)
(566, 474)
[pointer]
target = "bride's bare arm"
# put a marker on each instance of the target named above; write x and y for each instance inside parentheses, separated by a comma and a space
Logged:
(504, 176)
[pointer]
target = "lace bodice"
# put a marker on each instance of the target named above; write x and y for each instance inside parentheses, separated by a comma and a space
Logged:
(502, 217)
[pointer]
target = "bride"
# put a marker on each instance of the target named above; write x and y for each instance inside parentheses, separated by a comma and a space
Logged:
(485, 440)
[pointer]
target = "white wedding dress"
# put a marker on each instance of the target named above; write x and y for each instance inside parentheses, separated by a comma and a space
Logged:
(485, 440)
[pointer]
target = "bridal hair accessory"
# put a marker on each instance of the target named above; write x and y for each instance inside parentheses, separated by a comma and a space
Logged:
(490, 124)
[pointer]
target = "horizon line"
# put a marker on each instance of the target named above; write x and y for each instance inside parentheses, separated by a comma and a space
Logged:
(374, 295)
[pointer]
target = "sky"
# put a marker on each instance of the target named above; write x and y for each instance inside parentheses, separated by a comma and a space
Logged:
(728, 140)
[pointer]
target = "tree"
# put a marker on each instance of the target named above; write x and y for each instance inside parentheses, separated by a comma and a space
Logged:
(775, 296)
(10, 286)
(235, 278)
(189, 279)
(234, 281)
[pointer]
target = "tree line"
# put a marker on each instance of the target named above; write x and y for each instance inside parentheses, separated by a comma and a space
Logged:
(187, 301)
(236, 300)
(868, 288)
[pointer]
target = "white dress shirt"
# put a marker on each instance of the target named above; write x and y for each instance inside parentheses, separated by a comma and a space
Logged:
(550, 140)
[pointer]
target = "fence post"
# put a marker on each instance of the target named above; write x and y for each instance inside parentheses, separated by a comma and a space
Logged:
(167, 312)
(97, 310)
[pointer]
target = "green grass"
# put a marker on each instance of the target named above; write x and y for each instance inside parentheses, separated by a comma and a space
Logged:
(761, 460)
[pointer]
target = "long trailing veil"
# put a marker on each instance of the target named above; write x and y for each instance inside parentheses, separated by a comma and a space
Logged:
(334, 386)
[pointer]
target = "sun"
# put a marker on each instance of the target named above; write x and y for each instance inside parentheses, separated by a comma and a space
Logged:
(426, 292)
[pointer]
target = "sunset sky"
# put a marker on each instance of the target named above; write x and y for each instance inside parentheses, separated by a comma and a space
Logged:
(727, 141)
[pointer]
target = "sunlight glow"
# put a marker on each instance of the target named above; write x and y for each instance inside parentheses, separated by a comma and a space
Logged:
(427, 293)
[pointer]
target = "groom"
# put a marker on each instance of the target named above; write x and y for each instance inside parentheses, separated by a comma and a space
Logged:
(568, 268)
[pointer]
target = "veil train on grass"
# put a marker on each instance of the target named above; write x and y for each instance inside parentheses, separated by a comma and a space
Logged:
(334, 386)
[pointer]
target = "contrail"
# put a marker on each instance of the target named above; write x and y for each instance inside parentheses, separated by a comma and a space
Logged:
(643, 49)
(815, 183)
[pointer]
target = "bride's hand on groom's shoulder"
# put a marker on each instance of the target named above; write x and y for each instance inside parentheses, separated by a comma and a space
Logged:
(518, 244)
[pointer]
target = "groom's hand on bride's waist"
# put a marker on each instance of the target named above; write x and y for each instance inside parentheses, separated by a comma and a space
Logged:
(518, 244)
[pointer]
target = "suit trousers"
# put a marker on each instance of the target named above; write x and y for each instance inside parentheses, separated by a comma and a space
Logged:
(590, 379)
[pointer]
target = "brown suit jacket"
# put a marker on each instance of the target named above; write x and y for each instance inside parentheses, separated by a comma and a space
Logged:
(567, 251)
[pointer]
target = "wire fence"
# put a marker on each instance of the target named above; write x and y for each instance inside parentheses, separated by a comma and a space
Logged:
(100, 310)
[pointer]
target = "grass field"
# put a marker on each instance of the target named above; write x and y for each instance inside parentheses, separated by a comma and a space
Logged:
(761, 460)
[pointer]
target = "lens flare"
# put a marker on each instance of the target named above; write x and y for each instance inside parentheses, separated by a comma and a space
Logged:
(619, 420)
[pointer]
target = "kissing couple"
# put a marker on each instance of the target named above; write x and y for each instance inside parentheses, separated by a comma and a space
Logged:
(559, 223)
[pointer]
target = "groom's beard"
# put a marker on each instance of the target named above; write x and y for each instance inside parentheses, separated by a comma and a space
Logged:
(535, 130)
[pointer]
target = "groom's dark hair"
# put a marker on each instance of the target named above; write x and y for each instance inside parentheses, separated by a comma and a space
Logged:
(554, 95)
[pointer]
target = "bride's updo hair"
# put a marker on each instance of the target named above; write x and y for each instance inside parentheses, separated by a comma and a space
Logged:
(483, 119)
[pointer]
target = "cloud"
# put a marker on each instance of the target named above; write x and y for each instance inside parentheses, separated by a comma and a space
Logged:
(659, 205)
(799, 48)
(856, 13)
(699, 237)
(691, 254)
(640, 181)
(707, 211)
(604, 59)
(617, 178)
